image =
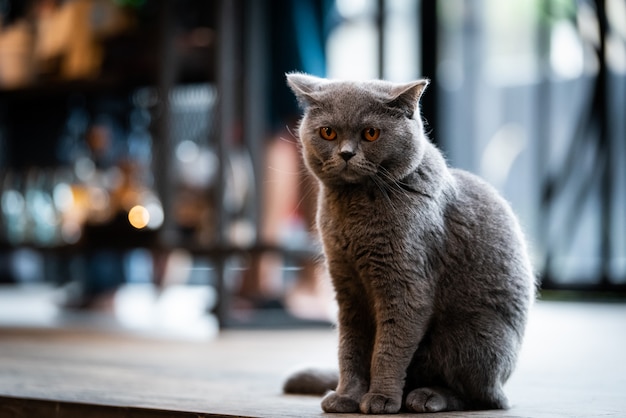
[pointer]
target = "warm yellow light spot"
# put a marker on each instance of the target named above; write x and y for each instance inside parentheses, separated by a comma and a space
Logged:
(139, 217)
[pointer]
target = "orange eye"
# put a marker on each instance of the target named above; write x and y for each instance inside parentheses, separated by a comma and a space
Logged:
(328, 133)
(371, 134)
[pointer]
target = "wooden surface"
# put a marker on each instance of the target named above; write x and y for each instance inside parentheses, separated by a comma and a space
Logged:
(573, 364)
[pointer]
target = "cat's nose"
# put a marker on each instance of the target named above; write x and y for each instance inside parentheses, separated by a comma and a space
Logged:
(346, 155)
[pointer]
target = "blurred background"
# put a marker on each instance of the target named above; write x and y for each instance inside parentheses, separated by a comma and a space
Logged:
(150, 178)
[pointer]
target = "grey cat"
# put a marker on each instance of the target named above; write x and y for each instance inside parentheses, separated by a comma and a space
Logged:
(429, 265)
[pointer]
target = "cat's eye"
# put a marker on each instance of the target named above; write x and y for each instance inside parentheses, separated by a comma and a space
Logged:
(328, 133)
(371, 134)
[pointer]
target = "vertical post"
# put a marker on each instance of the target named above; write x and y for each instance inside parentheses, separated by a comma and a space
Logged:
(227, 47)
(380, 24)
(163, 145)
(227, 32)
(255, 96)
(429, 49)
(605, 147)
(543, 133)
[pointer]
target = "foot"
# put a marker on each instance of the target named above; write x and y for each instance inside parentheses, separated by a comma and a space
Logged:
(334, 402)
(377, 403)
(432, 400)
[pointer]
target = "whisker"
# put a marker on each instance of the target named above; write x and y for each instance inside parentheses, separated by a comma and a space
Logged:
(289, 141)
(395, 185)
(381, 184)
(308, 191)
(282, 171)
(294, 136)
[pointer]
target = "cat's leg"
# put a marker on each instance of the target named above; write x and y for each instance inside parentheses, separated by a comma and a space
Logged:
(484, 363)
(356, 335)
(472, 363)
(401, 323)
(492, 398)
(355, 342)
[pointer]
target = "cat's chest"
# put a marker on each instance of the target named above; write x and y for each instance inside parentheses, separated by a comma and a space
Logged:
(353, 225)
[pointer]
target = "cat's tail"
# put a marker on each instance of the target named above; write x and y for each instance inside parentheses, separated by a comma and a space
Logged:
(311, 382)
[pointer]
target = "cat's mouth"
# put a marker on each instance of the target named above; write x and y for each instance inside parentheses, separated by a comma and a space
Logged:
(345, 172)
(353, 173)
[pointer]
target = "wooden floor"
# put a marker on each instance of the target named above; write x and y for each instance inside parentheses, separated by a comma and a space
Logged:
(573, 365)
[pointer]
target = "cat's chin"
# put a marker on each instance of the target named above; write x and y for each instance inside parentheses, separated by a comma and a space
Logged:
(352, 176)
(349, 179)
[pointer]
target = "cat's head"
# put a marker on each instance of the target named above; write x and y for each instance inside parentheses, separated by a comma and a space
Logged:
(359, 132)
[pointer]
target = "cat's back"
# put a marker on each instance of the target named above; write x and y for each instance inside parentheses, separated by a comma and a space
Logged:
(486, 248)
(478, 206)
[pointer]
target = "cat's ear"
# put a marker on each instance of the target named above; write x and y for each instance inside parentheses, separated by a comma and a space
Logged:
(304, 87)
(406, 96)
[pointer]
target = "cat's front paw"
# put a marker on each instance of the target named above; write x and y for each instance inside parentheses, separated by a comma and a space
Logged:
(377, 403)
(425, 400)
(334, 402)
(433, 400)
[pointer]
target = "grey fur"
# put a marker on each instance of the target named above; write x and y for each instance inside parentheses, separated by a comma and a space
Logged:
(429, 264)
(311, 382)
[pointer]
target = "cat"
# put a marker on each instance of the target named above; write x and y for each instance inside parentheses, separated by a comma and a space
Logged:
(429, 265)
